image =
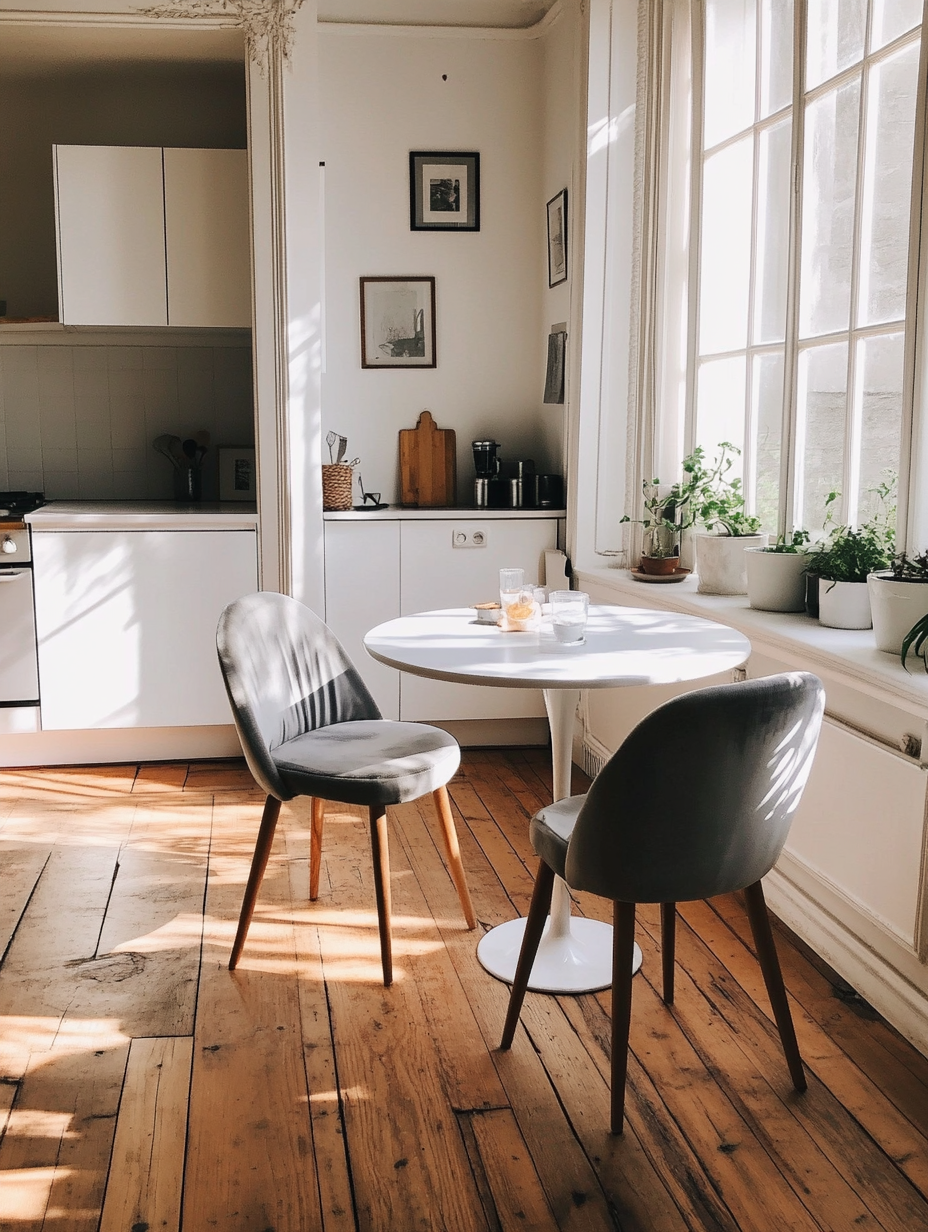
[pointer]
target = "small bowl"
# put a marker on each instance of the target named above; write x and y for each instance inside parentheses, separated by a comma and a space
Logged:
(487, 613)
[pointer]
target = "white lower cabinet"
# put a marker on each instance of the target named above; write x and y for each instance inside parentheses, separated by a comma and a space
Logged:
(126, 624)
(379, 569)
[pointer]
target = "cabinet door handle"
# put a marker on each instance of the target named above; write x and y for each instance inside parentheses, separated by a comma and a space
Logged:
(10, 575)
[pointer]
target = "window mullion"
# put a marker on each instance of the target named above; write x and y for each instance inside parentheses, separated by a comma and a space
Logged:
(697, 162)
(791, 440)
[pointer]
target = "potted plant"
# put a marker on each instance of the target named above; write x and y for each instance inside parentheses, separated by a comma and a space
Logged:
(898, 600)
(668, 513)
(842, 565)
(718, 504)
(777, 574)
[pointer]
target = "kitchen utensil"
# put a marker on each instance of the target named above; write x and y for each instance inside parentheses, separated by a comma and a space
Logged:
(330, 439)
(190, 449)
(428, 475)
(170, 447)
(342, 450)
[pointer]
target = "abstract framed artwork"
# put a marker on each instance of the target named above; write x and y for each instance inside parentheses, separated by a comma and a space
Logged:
(398, 322)
(444, 191)
(557, 239)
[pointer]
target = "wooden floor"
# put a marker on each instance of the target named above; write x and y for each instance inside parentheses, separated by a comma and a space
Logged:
(143, 1087)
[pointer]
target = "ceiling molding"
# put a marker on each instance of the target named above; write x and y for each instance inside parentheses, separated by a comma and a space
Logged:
(393, 30)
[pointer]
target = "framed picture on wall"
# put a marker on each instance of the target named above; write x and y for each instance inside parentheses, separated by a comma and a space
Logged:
(398, 322)
(444, 191)
(557, 239)
(237, 476)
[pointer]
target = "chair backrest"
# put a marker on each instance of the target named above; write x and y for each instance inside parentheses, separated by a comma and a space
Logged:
(285, 673)
(699, 798)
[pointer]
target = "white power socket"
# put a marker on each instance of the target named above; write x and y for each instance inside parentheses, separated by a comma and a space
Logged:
(461, 538)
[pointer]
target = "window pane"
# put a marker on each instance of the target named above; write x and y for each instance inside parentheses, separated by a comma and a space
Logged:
(730, 61)
(892, 18)
(829, 179)
(726, 248)
(821, 429)
(887, 184)
(767, 397)
(772, 234)
(835, 38)
(776, 87)
(879, 385)
(720, 406)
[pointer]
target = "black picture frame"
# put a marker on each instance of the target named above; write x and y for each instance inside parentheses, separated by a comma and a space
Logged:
(444, 190)
(557, 239)
(398, 322)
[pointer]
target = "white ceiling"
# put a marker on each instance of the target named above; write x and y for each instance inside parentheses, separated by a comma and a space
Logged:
(40, 49)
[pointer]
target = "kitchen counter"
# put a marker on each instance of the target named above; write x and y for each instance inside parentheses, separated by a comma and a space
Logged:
(144, 515)
(393, 513)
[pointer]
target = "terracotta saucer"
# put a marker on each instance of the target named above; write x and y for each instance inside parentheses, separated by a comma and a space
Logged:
(677, 576)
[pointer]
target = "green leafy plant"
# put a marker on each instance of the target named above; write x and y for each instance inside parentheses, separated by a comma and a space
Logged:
(849, 555)
(798, 543)
(718, 500)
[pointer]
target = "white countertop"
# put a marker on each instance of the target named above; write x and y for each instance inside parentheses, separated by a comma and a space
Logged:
(394, 513)
(143, 515)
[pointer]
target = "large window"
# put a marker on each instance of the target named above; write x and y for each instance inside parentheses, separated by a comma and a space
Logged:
(804, 135)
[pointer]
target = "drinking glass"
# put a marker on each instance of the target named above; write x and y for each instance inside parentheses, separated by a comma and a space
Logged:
(510, 586)
(569, 612)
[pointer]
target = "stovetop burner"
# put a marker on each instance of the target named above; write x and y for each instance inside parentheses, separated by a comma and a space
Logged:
(13, 505)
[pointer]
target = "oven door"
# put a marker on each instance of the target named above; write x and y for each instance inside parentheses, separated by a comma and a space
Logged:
(19, 675)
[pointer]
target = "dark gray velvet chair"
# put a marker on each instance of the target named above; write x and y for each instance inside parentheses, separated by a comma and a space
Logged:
(309, 727)
(697, 801)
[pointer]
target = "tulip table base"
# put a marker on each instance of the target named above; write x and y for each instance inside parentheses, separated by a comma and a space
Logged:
(575, 954)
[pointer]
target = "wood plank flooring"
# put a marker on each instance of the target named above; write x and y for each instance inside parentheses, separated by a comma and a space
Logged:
(143, 1087)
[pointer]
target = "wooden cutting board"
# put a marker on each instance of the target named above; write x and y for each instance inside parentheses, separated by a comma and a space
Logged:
(428, 471)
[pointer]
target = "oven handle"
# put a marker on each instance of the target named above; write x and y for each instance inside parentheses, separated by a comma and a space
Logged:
(10, 575)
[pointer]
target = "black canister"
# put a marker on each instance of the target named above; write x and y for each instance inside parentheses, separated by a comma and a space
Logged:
(549, 492)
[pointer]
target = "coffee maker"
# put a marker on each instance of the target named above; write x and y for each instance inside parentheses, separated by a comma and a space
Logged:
(490, 489)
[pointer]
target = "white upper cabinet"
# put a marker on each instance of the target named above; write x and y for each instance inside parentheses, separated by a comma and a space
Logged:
(207, 237)
(110, 214)
(153, 237)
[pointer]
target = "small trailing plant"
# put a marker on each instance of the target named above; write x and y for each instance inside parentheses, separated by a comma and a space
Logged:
(910, 568)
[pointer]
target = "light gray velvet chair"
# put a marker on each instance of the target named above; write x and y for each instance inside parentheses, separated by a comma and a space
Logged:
(309, 727)
(697, 801)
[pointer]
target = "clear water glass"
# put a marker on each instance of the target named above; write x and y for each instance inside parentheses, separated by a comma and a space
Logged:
(569, 610)
(511, 585)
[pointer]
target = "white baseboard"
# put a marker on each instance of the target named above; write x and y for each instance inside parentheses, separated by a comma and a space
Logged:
(118, 744)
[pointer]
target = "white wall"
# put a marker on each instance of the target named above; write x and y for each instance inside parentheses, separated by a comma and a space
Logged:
(383, 95)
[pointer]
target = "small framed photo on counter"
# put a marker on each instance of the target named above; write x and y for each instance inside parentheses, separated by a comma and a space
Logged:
(444, 191)
(237, 476)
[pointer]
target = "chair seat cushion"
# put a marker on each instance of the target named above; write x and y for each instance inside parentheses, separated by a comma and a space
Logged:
(370, 761)
(551, 829)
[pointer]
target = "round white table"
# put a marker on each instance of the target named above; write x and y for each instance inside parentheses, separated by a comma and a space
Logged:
(622, 646)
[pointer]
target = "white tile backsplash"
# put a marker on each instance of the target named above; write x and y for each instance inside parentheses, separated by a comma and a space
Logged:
(78, 422)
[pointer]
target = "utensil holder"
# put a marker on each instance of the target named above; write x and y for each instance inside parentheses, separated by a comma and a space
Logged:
(337, 478)
(188, 483)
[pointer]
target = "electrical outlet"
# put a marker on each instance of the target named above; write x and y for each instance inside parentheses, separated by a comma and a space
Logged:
(461, 538)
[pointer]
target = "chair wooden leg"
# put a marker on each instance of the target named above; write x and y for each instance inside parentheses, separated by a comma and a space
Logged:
(668, 947)
(773, 978)
(315, 847)
(258, 865)
(623, 948)
(534, 927)
(455, 867)
(381, 852)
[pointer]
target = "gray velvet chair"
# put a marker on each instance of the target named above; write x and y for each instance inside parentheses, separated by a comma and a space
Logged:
(309, 727)
(697, 801)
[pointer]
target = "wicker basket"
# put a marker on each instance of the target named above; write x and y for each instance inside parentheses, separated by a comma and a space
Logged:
(337, 479)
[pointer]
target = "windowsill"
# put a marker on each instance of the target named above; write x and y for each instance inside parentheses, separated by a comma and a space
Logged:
(848, 654)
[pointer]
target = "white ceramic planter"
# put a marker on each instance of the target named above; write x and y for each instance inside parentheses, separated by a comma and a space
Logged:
(843, 605)
(720, 562)
(896, 606)
(776, 580)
